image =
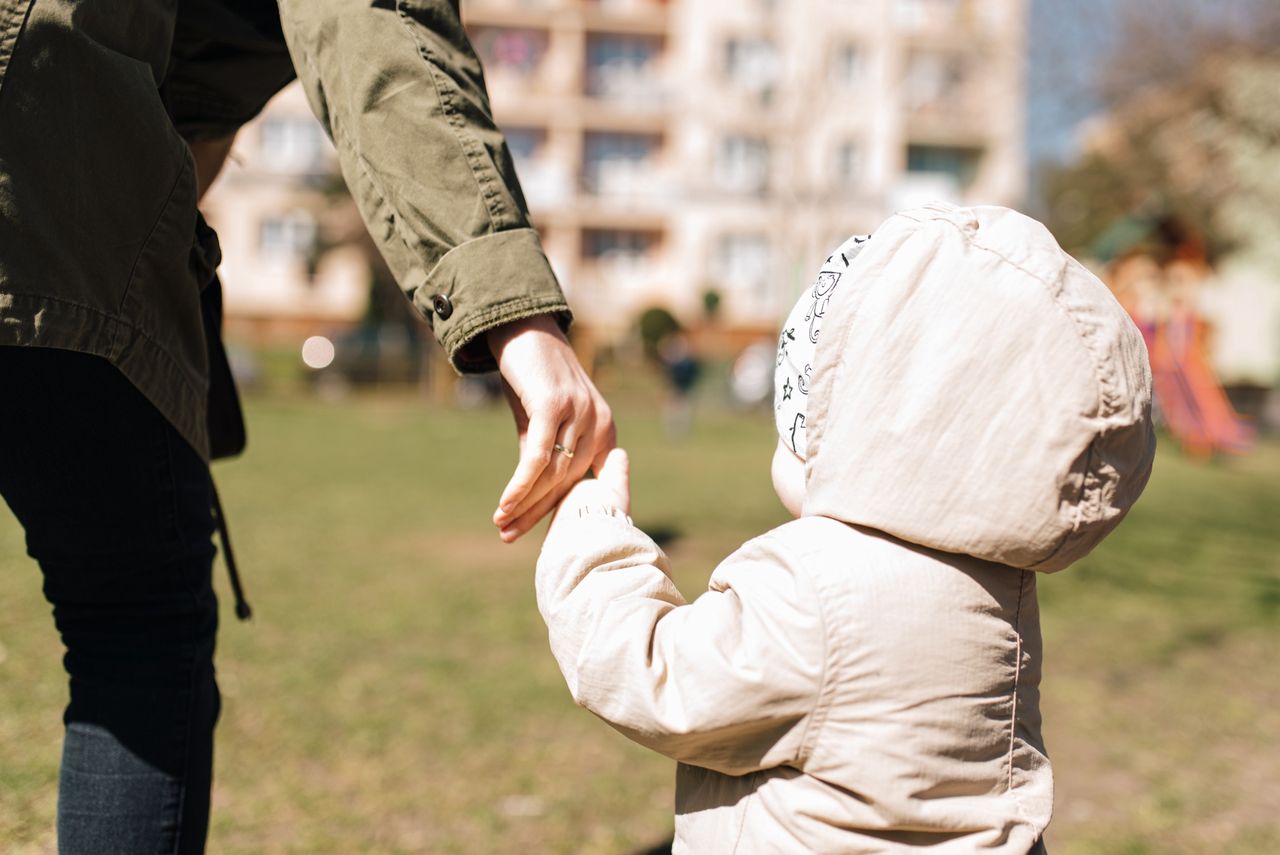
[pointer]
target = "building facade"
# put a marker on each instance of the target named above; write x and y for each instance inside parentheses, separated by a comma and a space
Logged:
(671, 148)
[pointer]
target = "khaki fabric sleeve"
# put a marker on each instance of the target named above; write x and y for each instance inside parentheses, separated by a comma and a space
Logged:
(728, 682)
(401, 92)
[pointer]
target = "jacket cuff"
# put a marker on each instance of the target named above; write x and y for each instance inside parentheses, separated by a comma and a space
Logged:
(485, 283)
(594, 534)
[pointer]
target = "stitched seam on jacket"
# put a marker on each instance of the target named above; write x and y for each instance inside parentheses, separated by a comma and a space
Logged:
(1013, 718)
(742, 823)
(1017, 673)
(1106, 406)
(484, 181)
(9, 37)
(187, 394)
(120, 326)
(514, 309)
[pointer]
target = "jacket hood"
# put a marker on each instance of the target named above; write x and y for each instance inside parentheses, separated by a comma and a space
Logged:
(978, 391)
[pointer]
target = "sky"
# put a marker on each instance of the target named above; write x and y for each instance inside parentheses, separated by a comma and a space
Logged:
(1066, 45)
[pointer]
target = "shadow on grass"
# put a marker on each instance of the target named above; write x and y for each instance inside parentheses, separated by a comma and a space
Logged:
(663, 848)
(663, 534)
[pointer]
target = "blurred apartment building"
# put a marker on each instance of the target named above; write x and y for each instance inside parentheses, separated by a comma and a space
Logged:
(671, 148)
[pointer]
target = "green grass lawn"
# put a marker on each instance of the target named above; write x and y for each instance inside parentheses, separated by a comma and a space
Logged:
(395, 693)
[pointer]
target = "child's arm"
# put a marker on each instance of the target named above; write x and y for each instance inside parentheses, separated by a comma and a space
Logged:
(727, 682)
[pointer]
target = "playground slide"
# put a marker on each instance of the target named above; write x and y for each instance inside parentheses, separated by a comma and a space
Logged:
(1192, 401)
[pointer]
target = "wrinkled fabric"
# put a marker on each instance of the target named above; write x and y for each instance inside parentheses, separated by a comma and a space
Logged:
(979, 391)
(100, 250)
(866, 678)
(835, 690)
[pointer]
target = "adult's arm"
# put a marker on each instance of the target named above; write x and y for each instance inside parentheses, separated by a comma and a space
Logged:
(401, 92)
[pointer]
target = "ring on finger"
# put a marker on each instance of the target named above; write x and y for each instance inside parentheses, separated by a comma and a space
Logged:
(565, 451)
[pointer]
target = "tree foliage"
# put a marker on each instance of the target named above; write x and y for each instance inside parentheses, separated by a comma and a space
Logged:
(1190, 130)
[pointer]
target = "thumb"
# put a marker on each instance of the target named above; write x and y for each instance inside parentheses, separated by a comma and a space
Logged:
(615, 474)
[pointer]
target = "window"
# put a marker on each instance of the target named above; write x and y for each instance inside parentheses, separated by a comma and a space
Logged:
(290, 236)
(524, 143)
(744, 264)
(623, 6)
(960, 164)
(743, 164)
(618, 163)
(935, 80)
(848, 164)
(846, 66)
(751, 64)
(619, 247)
(546, 182)
(623, 67)
(292, 144)
(919, 14)
(510, 49)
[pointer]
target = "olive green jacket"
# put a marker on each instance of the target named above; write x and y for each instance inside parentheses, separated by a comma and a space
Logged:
(101, 247)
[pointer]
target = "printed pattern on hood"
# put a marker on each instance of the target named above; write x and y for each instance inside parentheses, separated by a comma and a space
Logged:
(979, 393)
(798, 342)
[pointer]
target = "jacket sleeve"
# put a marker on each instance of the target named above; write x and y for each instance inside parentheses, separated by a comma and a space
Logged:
(728, 682)
(400, 91)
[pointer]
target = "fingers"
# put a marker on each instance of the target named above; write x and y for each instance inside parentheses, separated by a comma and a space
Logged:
(606, 438)
(562, 470)
(612, 481)
(535, 456)
(521, 525)
(549, 388)
(615, 474)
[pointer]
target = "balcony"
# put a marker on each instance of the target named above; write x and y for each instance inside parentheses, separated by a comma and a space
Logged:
(625, 168)
(751, 68)
(510, 12)
(513, 59)
(949, 19)
(547, 185)
(626, 70)
(742, 165)
(947, 97)
(625, 16)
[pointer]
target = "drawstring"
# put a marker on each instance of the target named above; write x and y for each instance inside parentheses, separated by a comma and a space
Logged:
(242, 605)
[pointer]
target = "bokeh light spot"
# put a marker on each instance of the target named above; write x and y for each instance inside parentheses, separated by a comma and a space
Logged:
(318, 352)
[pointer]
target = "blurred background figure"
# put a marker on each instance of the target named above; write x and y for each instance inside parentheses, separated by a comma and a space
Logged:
(681, 369)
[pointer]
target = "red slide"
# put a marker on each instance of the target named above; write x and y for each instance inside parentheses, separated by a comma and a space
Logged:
(1195, 407)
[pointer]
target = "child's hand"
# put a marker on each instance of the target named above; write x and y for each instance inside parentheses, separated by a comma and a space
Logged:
(611, 488)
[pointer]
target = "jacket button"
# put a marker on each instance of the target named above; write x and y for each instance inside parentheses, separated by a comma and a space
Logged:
(442, 306)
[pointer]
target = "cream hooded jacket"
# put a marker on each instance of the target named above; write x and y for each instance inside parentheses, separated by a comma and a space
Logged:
(865, 678)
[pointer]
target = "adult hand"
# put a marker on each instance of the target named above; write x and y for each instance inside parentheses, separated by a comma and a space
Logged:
(556, 406)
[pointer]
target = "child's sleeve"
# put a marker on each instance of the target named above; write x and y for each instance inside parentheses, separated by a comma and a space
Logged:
(728, 682)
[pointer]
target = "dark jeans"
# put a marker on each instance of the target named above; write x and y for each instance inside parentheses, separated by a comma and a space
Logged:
(116, 508)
